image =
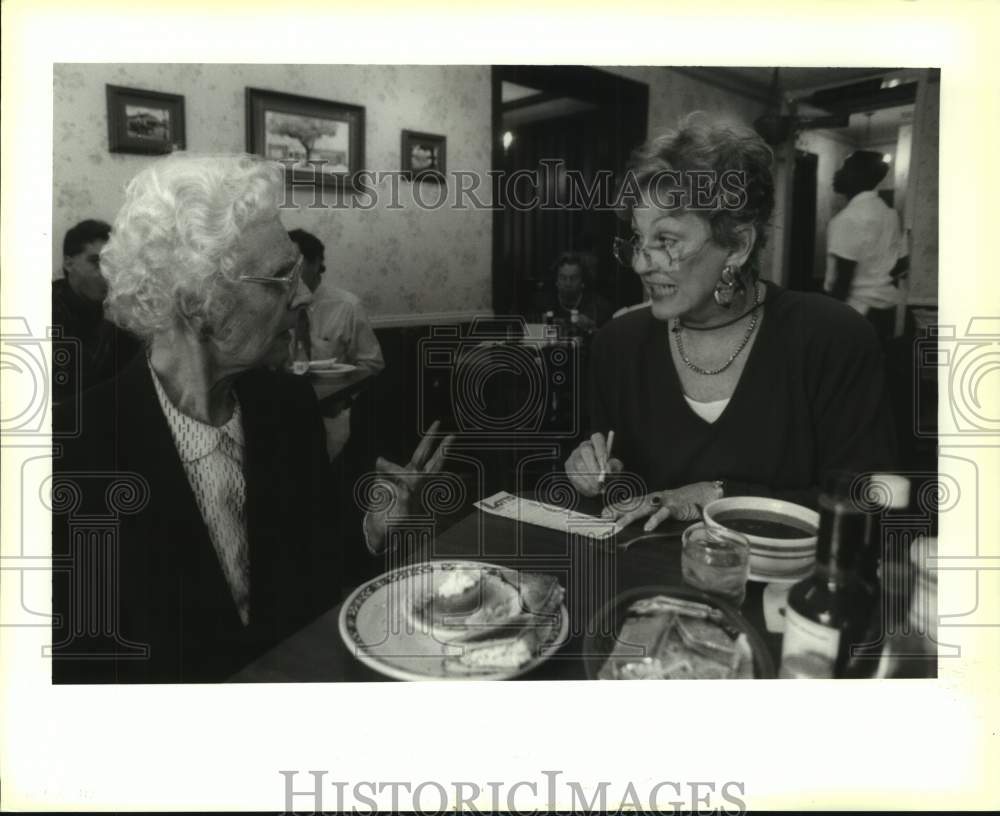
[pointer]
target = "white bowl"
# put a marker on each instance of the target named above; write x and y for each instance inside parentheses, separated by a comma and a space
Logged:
(771, 556)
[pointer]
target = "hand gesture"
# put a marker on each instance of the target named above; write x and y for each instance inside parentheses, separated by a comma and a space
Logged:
(403, 481)
(585, 463)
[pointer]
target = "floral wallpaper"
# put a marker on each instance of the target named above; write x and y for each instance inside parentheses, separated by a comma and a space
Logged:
(401, 262)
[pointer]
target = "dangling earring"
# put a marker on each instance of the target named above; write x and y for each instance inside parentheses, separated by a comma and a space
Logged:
(725, 289)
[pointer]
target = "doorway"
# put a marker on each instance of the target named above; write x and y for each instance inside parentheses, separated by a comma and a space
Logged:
(549, 120)
(874, 114)
(802, 247)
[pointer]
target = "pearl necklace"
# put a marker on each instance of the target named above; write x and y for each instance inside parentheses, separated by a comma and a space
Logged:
(678, 331)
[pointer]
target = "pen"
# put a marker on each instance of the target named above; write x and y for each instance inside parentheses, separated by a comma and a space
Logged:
(607, 457)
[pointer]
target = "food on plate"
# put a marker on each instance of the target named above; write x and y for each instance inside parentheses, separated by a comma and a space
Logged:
(324, 365)
(663, 603)
(459, 594)
(481, 603)
(665, 638)
(505, 653)
(496, 619)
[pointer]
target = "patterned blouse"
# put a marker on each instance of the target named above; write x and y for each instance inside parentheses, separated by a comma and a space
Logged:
(213, 461)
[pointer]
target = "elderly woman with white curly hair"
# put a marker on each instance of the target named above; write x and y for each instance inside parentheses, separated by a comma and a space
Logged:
(232, 544)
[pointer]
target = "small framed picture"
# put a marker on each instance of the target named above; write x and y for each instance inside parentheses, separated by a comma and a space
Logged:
(318, 141)
(424, 156)
(147, 122)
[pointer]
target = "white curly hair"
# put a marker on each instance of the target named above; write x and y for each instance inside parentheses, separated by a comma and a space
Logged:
(177, 235)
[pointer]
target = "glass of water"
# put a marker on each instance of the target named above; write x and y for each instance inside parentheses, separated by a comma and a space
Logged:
(716, 561)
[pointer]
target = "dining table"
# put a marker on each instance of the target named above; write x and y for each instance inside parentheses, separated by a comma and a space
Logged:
(592, 571)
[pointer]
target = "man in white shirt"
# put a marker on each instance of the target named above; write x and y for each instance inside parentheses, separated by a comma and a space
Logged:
(334, 324)
(866, 251)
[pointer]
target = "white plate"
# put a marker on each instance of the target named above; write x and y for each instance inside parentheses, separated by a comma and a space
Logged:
(336, 370)
(790, 578)
(377, 628)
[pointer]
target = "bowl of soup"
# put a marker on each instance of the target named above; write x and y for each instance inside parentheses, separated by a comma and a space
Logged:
(782, 535)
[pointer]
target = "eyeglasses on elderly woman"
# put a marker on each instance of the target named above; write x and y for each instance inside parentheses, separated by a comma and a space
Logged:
(288, 280)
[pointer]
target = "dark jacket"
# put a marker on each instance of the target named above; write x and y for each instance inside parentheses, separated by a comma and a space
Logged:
(137, 589)
(99, 349)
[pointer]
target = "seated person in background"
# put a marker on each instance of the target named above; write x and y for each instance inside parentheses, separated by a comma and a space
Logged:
(726, 385)
(866, 251)
(572, 293)
(211, 463)
(338, 325)
(334, 324)
(78, 311)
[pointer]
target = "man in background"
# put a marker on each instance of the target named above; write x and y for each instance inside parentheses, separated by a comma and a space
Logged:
(866, 251)
(334, 325)
(78, 312)
(573, 300)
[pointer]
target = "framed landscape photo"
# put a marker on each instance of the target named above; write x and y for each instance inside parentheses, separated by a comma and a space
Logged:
(424, 156)
(147, 122)
(319, 141)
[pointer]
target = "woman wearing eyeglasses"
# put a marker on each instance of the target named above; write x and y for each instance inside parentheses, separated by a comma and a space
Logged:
(725, 384)
(225, 538)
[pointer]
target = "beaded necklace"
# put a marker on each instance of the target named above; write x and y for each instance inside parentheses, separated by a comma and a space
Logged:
(678, 332)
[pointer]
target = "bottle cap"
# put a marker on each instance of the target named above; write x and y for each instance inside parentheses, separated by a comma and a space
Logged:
(895, 488)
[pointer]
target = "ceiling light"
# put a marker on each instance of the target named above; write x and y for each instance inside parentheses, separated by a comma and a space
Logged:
(508, 138)
(887, 158)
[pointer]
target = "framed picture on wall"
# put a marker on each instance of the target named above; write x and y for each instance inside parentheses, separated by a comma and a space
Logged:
(147, 122)
(424, 156)
(317, 140)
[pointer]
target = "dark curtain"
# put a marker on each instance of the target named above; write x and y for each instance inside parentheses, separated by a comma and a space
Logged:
(533, 237)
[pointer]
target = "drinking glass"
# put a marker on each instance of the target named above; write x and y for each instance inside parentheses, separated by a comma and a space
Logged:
(716, 561)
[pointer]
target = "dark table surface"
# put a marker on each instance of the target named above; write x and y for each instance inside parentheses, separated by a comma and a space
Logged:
(592, 573)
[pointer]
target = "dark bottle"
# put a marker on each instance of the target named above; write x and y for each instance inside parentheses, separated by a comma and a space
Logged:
(829, 612)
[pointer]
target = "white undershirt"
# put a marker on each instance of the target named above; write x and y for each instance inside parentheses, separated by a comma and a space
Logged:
(708, 411)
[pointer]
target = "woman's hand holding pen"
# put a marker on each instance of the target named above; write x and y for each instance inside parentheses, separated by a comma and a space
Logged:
(590, 461)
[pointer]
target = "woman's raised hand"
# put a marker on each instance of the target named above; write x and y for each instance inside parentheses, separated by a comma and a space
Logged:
(403, 481)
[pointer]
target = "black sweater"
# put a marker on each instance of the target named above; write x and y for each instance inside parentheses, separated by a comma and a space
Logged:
(811, 398)
(138, 591)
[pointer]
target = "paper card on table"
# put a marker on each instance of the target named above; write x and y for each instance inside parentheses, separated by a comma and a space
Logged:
(548, 515)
